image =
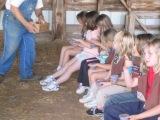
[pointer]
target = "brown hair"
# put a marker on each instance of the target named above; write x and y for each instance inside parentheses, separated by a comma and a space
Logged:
(82, 16)
(91, 20)
(141, 40)
(104, 22)
(108, 36)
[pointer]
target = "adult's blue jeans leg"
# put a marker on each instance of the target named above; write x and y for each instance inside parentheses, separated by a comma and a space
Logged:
(121, 98)
(113, 111)
(27, 55)
(12, 38)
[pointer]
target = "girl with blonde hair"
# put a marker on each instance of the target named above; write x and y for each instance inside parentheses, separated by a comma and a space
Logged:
(148, 89)
(123, 44)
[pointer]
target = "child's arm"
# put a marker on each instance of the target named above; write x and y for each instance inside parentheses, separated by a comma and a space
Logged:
(103, 66)
(28, 25)
(130, 82)
(149, 113)
(98, 43)
(83, 43)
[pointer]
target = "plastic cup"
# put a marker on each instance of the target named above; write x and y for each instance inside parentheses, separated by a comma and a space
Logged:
(114, 78)
(124, 117)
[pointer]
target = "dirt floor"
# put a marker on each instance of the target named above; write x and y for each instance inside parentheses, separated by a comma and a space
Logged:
(31, 103)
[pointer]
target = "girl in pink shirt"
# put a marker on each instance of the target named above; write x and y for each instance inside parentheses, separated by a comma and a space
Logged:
(52, 82)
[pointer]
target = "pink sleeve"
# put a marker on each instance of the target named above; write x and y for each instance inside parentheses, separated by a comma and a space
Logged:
(95, 34)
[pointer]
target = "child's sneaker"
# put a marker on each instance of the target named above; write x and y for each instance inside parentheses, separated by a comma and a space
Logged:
(91, 104)
(81, 89)
(94, 111)
(47, 80)
(86, 99)
(52, 86)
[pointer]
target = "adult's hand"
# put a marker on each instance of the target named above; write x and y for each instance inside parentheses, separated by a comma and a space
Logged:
(31, 27)
(28, 25)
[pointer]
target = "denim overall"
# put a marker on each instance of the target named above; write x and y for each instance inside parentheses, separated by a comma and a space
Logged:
(17, 38)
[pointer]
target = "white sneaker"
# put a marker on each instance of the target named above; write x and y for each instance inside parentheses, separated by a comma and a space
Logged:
(81, 89)
(47, 80)
(52, 86)
(91, 104)
(86, 99)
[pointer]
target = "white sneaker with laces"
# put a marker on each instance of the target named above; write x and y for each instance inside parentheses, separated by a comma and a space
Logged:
(86, 99)
(47, 80)
(91, 104)
(81, 89)
(52, 86)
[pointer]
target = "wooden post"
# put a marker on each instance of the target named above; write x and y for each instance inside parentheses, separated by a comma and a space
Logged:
(53, 19)
(2, 4)
(59, 19)
(130, 18)
(130, 26)
(137, 19)
(99, 4)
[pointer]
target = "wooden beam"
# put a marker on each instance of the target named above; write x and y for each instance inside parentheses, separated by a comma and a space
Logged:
(59, 17)
(2, 4)
(137, 19)
(130, 25)
(99, 4)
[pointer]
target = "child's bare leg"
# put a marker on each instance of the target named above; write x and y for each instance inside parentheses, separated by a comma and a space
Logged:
(96, 76)
(69, 53)
(64, 49)
(91, 71)
(63, 70)
(71, 69)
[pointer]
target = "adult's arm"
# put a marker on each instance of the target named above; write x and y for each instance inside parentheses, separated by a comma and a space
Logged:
(28, 25)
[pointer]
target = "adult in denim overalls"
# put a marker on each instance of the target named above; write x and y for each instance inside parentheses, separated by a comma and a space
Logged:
(18, 38)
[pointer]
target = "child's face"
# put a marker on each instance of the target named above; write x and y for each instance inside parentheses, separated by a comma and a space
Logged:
(109, 44)
(116, 46)
(80, 22)
(150, 56)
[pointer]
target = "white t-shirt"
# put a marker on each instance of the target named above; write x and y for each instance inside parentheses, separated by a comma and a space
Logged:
(17, 3)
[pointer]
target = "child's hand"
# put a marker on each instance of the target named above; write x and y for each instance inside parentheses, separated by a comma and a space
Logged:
(133, 117)
(128, 63)
(104, 83)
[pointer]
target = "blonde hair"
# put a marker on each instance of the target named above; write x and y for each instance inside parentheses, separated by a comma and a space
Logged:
(126, 43)
(108, 36)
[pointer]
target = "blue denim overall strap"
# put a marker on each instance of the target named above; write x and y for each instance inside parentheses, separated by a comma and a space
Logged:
(27, 8)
